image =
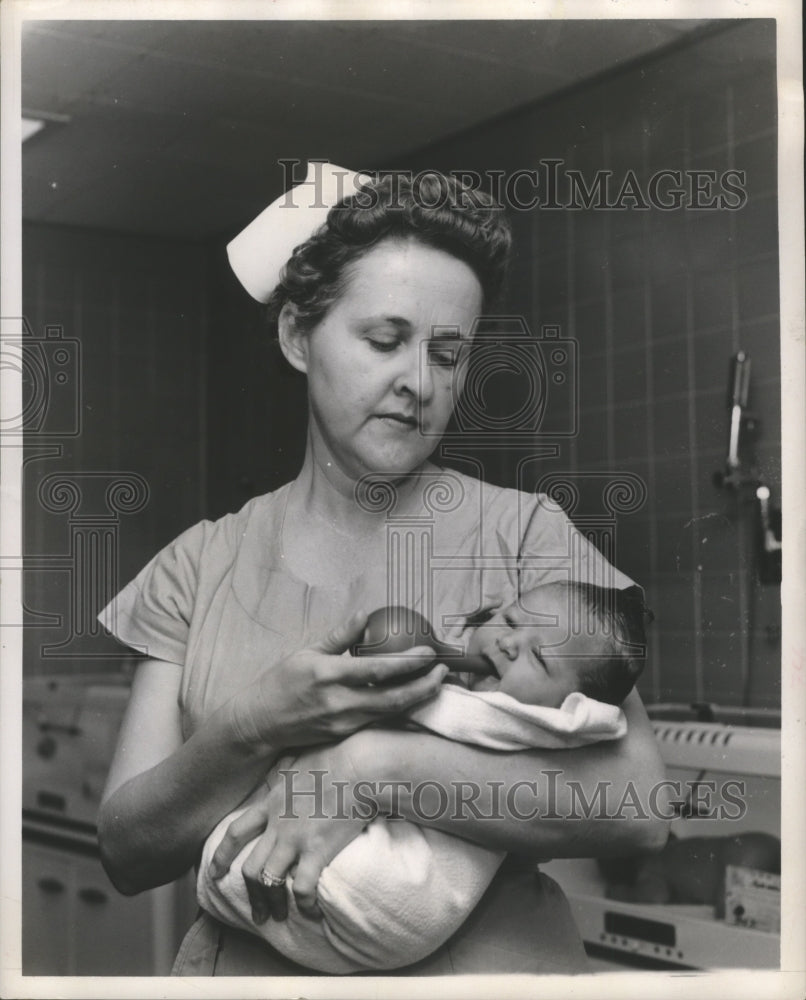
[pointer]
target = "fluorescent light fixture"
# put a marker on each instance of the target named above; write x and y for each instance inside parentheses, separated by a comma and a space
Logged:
(34, 121)
(30, 126)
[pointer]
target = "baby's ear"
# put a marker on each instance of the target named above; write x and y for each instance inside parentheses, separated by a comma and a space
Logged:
(635, 668)
(293, 339)
(631, 600)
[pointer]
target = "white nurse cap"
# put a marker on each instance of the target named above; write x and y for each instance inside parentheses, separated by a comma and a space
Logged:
(258, 253)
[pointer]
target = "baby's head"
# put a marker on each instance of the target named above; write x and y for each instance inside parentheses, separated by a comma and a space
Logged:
(564, 637)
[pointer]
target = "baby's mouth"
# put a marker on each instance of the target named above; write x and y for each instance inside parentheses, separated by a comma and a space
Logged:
(494, 672)
(489, 681)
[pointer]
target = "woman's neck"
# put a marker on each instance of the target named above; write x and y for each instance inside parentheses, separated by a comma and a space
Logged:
(324, 490)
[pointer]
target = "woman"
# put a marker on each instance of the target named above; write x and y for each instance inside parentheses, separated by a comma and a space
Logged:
(245, 621)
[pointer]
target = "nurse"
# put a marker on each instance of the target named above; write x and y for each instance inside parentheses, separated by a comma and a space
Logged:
(246, 621)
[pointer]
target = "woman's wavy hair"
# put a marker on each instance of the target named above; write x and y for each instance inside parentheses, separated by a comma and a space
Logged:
(431, 207)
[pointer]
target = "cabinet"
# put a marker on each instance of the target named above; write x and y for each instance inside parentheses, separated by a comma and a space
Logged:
(46, 890)
(74, 923)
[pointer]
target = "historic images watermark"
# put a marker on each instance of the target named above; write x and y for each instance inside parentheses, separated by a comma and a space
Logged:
(541, 369)
(49, 367)
(551, 185)
(545, 797)
(87, 504)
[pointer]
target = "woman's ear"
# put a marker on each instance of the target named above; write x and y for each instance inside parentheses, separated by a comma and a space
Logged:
(293, 340)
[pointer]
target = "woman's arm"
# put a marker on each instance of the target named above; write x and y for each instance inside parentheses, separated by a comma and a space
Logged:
(164, 795)
(604, 799)
(592, 801)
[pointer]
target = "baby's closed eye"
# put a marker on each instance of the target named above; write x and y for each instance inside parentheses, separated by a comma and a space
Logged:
(481, 615)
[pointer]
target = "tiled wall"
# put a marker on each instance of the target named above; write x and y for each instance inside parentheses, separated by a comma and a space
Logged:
(138, 311)
(257, 404)
(658, 302)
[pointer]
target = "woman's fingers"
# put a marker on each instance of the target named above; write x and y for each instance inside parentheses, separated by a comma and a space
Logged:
(318, 694)
(250, 871)
(246, 827)
(379, 701)
(359, 671)
(339, 639)
(267, 874)
(306, 878)
(264, 873)
(278, 865)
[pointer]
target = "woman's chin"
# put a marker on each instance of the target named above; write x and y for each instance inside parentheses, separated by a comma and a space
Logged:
(394, 465)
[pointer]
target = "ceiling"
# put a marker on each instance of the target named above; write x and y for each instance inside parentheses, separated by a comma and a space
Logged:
(176, 127)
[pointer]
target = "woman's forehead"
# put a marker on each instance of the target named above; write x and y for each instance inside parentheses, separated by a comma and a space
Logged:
(399, 273)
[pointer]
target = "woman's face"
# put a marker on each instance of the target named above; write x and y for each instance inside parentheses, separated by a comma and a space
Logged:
(381, 365)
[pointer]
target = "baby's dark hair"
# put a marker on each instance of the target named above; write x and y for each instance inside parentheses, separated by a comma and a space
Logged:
(620, 615)
(431, 207)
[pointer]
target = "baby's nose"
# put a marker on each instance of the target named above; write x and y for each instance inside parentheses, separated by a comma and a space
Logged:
(508, 644)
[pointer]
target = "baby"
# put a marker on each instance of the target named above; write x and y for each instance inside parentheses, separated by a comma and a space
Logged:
(560, 638)
(561, 659)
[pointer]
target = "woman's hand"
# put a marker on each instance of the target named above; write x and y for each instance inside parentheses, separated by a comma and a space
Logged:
(298, 833)
(319, 694)
(166, 793)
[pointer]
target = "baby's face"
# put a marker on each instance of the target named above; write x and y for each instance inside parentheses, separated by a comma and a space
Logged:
(537, 659)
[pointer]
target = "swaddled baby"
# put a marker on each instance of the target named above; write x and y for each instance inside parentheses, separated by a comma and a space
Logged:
(562, 658)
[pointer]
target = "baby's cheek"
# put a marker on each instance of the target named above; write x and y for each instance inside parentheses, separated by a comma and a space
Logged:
(523, 683)
(471, 641)
(484, 683)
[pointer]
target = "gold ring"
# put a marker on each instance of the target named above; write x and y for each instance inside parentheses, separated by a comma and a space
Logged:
(271, 881)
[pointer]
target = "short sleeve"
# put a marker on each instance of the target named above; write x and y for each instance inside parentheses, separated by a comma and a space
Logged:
(553, 548)
(152, 614)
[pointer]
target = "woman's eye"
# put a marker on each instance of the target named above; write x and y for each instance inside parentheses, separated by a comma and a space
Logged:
(443, 360)
(445, 356)
(384, 346)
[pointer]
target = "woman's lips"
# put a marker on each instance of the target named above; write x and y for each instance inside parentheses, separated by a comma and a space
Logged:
(399, 420)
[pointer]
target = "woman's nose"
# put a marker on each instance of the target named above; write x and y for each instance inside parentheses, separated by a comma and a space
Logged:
(416, 376)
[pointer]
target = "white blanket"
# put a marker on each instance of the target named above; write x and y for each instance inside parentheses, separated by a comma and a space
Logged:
(399, 891)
